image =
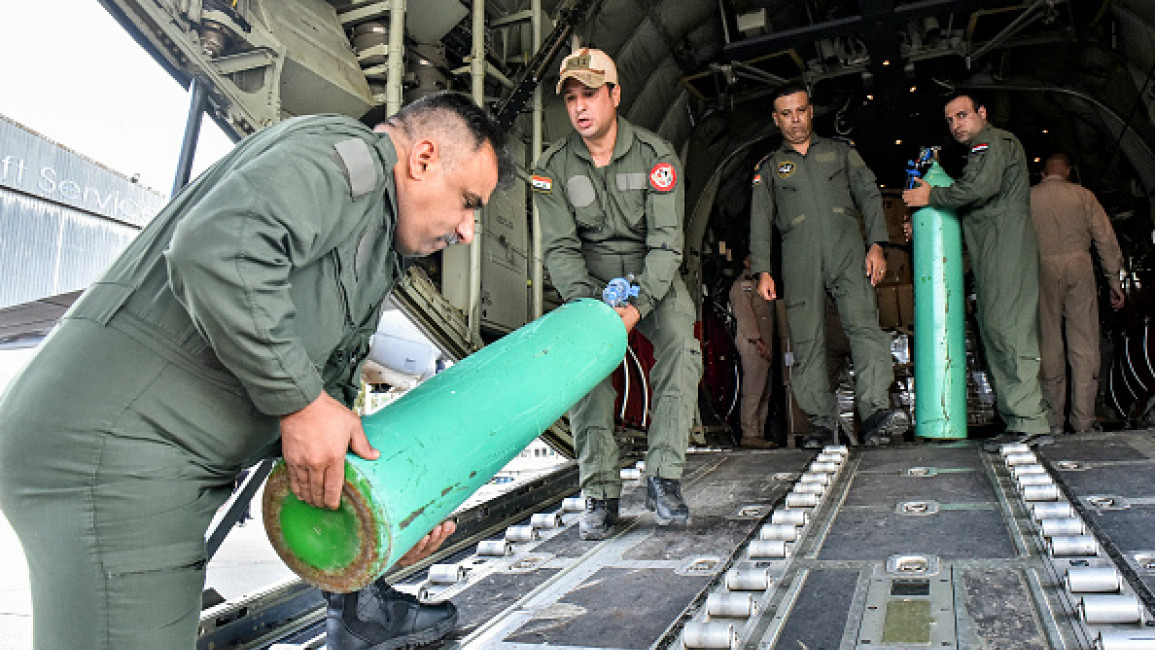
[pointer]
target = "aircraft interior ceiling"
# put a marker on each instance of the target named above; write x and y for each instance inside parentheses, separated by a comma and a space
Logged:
(1072, 76)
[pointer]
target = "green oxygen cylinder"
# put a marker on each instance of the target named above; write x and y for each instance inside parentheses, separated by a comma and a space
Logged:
(939, 325)
(442, 441)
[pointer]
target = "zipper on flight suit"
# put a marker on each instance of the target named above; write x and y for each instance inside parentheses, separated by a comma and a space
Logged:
(344, 292)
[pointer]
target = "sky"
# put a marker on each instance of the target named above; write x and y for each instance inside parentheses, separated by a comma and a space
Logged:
(70, 72)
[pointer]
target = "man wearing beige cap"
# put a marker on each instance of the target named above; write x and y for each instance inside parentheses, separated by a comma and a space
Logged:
(610, 197)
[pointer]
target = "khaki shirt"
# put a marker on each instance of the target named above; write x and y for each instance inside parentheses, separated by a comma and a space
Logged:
(599, 223)
(809, 195)
(994, 182)
(269, 270)
(1068, 218)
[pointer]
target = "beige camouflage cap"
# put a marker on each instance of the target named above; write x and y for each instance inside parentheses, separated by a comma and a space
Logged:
(591, 67)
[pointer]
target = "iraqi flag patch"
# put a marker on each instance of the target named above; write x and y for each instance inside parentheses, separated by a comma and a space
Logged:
(541, 184)
(980, 148)
(663, 177)
(757, 179)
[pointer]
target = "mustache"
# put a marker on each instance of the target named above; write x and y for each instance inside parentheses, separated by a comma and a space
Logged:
(450, 239)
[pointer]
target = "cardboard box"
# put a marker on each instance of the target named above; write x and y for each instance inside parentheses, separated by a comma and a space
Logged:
(906, 304)
(895, 211)
(888, 313)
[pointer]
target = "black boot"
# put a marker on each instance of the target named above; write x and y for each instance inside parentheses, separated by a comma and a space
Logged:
(818, 437)
(664, 497)
(598, 519)
(381, 618)
(884, 426)
(992, 445)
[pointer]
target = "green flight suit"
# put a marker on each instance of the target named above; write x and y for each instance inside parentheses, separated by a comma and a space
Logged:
(599, 223)
(993, 198)
(814, 200)
(256, 288)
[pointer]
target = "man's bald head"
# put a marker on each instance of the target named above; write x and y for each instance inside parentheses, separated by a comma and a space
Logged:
(1058, 165)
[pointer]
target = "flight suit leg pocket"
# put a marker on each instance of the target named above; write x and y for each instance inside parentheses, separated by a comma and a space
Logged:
(803, 331)
(153, 595)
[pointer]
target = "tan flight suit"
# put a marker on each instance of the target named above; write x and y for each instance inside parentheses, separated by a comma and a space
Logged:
(256, 288)
(755, 322)
(599, 223)
(814, 200)
(1068, 218)
(993, 199)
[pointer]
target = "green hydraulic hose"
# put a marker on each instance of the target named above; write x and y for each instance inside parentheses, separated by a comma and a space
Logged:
(939, 326)
(440, 442)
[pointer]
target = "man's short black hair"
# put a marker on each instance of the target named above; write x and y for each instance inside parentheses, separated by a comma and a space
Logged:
(789, 88)
(976, 102)
(432, 110)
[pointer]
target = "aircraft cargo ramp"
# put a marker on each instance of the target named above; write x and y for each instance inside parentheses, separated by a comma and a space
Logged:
(935, 545)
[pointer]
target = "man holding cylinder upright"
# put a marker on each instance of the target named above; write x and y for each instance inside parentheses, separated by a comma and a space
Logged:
(610, 197)
(813, 189)
(233, 325)
(993, 200)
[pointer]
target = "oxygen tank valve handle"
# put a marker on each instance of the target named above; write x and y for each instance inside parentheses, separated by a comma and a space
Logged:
(619, 291)
(916, 168)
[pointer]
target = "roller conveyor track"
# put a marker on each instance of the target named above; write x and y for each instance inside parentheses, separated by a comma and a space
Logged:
(930, 545)
(926, 545)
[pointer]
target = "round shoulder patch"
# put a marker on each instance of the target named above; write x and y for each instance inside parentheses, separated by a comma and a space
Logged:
(663, 177)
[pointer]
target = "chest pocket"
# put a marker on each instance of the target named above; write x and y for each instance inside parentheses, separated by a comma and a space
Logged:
(322, 286)
(785, 179)
(839, 198)
(630, 197)
(583, 198)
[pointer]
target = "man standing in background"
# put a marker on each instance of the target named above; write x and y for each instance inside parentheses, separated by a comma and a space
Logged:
(754, 338)
(1068, 219)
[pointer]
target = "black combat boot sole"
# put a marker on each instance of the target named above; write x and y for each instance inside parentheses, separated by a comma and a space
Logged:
(595, 535)
(600, 533)
(665, 521)
(992, 445)
(421, 637)
(895, 425)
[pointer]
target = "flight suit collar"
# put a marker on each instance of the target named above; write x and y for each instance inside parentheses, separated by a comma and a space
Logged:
(388, 152)
(982, 136)
(815, 140)
(625, 140)
(389, 158)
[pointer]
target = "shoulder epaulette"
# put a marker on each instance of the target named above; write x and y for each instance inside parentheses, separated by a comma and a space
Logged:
(356, 161)
(549, 153)
(654, 141)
